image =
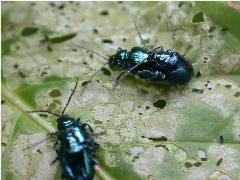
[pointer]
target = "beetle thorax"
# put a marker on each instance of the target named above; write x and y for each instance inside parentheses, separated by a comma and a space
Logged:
(65, 122)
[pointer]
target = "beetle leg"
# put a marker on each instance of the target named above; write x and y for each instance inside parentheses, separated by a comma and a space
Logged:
(157, 50)
(96, 144)
(158, 75)
(100, 133)
(63, 176)
(78, 120)
(55, 146)
(145, 74)
(119, 49)
(52, 134)
(90, 128)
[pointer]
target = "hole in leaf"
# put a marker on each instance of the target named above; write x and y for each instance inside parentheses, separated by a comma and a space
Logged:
(198, 17)
(161, 103)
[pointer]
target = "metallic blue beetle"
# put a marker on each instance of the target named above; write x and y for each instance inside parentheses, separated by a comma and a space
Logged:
(75, 148)
(155, 64)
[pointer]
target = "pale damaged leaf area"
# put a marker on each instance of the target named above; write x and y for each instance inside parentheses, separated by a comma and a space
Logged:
(153, 130)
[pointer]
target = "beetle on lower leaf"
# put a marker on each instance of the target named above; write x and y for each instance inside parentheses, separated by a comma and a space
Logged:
(155, 64)
(75, 147)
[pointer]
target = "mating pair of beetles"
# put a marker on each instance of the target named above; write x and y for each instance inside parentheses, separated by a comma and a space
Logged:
(76, 147)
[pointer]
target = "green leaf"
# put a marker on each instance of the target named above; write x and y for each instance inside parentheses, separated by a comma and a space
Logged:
(222, 15)
(153, 130)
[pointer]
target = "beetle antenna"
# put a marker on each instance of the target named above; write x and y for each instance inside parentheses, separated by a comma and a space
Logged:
(69, 99)
(44, 111)
(91, 77)
(139, 34)
(96, 53)
(126, 72)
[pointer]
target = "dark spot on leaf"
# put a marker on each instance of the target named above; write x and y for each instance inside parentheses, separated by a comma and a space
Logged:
(139, 106)
(52, 107)
(147, 107)
(74, 50)
(55, 93)
(161, 145)
(221, 139)
(84, 62)
(3, 144)
(204, 159)
(63, 38)
(188, 164)
(198, 74)
(84, 83)
(237, 94)
(161, 103)
(198, 17)
(206, 85)
(104, 13)
(52, 4)
(228, 85)
(17, 47)
(2, 101)
(61, 6)
(212, 28)
(49, 48)
(59, 60)
(39, 151)
(21, 74)
(197, 164)
(199, 91)
(108, 41)
(205, 62)
(43, 115)
(143, 91)
(219, 161)
(205, 57)
(15, 65)
(162, 138)
(44, 73)
(208, 81)
(180, 4)
(95, 31)
(106, 71)
(224, 29)
(91, 55)
(209, 89)
(124, 39)
(27, 31)
(140, 113)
